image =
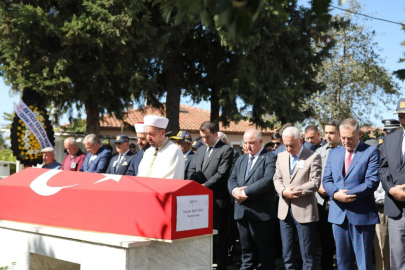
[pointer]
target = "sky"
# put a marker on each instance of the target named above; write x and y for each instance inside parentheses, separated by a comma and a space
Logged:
(389, 37)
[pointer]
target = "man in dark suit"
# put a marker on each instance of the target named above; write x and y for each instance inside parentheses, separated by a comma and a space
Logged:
(143, 144)
(97, 158)
(350, 179)
(251, 185)
(211, 167)
(183, 140)
(120, 163)
(392, 170)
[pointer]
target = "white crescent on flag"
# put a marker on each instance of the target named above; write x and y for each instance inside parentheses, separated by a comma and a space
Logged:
(40, 186)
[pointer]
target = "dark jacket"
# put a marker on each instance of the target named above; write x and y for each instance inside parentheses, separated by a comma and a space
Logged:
(392, 172)
(260, 204)
(214, 175)
(188, 160)
(134, 167)
(123, 166)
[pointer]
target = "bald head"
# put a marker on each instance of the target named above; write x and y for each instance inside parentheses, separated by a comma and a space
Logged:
(252, 140)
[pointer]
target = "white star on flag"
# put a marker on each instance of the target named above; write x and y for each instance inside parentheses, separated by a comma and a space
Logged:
(114, 177)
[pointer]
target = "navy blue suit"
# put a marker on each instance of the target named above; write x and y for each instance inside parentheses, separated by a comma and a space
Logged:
(122, 167)
(133, 168)
(254, 214)
(354, 222)
(189, 159)
(99, 164)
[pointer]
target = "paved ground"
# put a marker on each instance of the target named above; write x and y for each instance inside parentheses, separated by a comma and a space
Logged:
(235, 265)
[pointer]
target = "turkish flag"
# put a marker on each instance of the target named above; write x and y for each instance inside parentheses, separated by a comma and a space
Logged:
(129, 205)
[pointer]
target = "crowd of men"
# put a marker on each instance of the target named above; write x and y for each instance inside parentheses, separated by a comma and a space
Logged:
(321, 189)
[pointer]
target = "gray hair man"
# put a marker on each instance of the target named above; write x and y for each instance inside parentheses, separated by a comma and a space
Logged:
(97, 158)
(297, 178)
(252, 189)
(223, 137)
(350, 179)
(74, 158)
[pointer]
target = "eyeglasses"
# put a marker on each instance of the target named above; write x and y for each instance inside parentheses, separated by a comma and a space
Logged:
(88, 148)
(277, 143)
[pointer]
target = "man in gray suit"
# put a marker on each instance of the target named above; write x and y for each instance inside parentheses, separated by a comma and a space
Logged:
(392, 171)
(251, 185)
(211, 167)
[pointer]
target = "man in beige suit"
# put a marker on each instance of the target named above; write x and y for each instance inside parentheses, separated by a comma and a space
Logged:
(297, 178)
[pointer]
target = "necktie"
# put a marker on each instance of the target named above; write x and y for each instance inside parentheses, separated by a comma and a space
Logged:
(249, 166)
(348, 160)
(118, 163)
(293, 163)
(207, 155)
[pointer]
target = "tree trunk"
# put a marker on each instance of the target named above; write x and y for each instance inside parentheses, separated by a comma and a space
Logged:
(214, 106)
(173, 86)
(93, 118)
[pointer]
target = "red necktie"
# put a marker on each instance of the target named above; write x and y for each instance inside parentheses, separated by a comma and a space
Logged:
(348, 161)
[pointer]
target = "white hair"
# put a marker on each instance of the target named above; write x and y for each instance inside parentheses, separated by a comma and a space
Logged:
(292, 132)
(71, 141)
(92, 138)
(223, 136)
(257, 134)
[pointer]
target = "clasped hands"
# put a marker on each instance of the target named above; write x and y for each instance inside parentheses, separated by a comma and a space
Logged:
(239, 195)
(289, 193)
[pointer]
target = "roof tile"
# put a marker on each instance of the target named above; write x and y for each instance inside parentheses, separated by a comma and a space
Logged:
(190, 119)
